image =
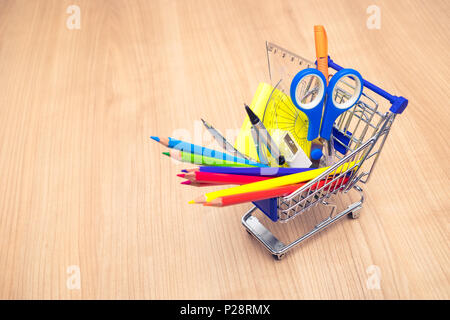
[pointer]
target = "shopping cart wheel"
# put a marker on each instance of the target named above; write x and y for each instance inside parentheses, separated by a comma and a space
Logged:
(353, 215)
(278, 257)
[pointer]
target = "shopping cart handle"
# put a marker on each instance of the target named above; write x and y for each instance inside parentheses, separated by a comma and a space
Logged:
(399, 104)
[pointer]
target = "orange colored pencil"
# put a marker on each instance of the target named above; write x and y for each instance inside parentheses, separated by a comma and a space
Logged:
(270, 193)
(321, 42)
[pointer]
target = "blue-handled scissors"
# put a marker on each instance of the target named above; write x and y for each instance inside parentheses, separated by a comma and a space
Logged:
(309, 90)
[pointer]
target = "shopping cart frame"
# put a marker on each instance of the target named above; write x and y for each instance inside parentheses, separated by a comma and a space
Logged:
(356, 165)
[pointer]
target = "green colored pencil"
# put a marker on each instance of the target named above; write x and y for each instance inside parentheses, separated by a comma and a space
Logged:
(202, 160)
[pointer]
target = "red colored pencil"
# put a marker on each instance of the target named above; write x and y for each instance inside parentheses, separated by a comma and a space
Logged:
(269, 193)
(198, 184)
(221, 178)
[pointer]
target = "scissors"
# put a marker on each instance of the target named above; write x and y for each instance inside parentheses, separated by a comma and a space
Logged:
(309, 92)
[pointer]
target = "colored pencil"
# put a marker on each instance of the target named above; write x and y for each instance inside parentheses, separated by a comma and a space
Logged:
(264, 172)
(321, 42)
(202, 160)
(191, 179)
(194, 169)
(203, 184)
(198, 184)
(270, 193)
(203, 151)
(272, 183)
(221, 178)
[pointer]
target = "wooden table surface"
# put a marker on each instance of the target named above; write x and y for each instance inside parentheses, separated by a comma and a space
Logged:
(90, 209)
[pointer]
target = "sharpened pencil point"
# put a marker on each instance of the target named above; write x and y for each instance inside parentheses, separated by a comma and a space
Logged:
(181, 175)
(191, 202)
(155, 138)
(186, 182)
(252, 116)
(166, 154)
(214, 203)
(206, 124)
(184, 170)
(201, 199)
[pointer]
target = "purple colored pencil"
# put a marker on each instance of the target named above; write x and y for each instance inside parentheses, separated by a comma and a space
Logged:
(269, 171)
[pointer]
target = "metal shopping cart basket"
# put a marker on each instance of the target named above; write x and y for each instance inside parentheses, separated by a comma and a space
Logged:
(359, 134)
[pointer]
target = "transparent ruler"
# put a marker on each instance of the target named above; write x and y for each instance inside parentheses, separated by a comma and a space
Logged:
(284, 65)
(280, 113)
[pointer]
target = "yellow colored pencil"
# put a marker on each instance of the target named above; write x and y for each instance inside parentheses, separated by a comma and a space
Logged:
(271, 183)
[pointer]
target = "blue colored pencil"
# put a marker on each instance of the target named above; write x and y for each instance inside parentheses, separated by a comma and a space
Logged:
(270, 171)
(195, 149)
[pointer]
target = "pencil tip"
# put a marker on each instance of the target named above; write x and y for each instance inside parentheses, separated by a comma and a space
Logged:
(184, 170)
(181, 175)
(155, 138)
(201, 199)
(215, 202)
(186, 182)
(206, 124)
(166, 154)
(191, 202)
(252, 116)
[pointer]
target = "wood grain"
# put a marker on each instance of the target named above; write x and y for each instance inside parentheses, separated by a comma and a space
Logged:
(82, 184)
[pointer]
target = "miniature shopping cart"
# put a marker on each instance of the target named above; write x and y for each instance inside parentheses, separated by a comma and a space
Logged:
(359, 134)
